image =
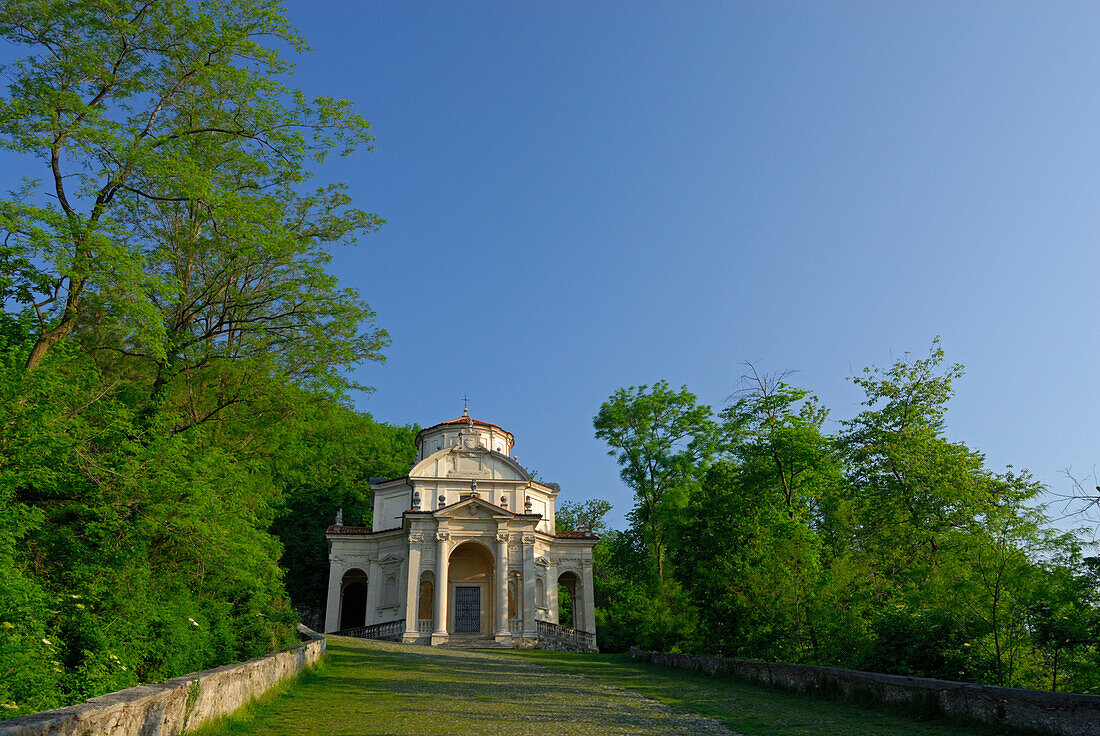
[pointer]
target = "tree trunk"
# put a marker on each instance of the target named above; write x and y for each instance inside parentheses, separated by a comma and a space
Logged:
(56, 334)
(47, 340)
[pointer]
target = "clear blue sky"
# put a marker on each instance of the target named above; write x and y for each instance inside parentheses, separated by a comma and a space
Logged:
(583, 196)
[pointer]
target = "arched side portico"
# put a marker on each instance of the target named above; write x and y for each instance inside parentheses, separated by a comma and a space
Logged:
(568, 582)
(353, 599)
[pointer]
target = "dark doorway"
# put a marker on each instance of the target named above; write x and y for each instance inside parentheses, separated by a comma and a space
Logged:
(467, 609)
(353, 606)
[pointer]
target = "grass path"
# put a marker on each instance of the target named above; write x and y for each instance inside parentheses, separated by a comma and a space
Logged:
(371, 688)
(749, 709)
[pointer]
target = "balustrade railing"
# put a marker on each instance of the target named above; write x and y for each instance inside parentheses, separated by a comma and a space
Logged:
(565, 635)
(424, 626)
(390, 630)
(515, 625)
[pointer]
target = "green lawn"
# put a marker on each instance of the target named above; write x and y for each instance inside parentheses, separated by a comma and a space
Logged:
(374, 689)
(749, 709)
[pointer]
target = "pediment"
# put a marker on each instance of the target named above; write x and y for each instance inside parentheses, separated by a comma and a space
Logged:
(389, 560)
(473, 508)
(542, 562)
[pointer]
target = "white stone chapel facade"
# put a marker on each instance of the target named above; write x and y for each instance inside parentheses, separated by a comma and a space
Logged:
(462, 549)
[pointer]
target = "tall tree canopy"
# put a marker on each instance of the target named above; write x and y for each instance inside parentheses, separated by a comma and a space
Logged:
(658, 436)
(882, 545)
(173, 349)
(163, 127)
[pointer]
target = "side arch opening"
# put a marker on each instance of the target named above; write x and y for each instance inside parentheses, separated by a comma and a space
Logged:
(353, 599)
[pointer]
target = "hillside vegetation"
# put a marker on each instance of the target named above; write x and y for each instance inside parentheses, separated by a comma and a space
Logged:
(174, 353)
(880, 545)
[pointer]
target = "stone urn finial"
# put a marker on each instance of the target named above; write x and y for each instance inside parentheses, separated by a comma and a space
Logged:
(527, 505)
(416, 500)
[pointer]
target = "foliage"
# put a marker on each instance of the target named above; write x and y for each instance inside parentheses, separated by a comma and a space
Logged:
(572, 515)
(659, 437)
(883, 546)
(143, 554)
(325, 462)
(169, 106)
(173, 350)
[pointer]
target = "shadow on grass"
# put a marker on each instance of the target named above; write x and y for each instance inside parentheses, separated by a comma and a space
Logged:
(376, 689)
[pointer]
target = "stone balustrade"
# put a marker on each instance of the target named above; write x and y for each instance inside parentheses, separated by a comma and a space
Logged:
(387, 631)
(555, 636)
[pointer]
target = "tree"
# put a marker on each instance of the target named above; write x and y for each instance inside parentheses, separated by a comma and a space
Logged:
(659, 437)
(748, 547)
(142, 554)
(323, 462)
(132, 103)
(167, 387)
(248, 297)
(1064, 617)
(572, 515)
(910, 487)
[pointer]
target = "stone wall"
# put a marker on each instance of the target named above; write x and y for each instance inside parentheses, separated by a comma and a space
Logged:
(1063, 714)
(176, 706)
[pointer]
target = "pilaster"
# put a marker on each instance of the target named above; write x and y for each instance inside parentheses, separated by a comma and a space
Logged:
(412, 588)
(552, 593)
(589, 600)
(374, 588)
(502, 634)
(442, 587)
(529, 631)
(332, 605)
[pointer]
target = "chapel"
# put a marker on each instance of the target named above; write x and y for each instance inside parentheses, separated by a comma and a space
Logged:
(462, 550)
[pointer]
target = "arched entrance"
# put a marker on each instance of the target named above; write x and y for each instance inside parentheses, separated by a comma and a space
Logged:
(353, 599)
(469, 576)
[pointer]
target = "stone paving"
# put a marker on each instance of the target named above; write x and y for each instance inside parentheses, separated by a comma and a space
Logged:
(375, 689)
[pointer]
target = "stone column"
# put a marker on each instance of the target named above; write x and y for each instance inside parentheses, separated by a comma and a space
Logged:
(529, 630)
(412, 592)
(441, 586)
(589, 599)
(374, 589)
(332, 607)
(552, 593)
(502, 635)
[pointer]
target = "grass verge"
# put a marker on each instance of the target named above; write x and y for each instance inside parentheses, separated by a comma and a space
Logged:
(746, 708)
(242, 719)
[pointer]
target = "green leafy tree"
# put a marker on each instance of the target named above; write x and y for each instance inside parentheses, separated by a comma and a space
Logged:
(660, 438)
(748, 548)
(149, 550)
(167, 386)
(1064, 617)
(910, 487)
(323, 463)
(130, 104)
(572, 515)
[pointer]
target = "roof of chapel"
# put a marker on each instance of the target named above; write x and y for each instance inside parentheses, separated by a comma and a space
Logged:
(464, 419)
